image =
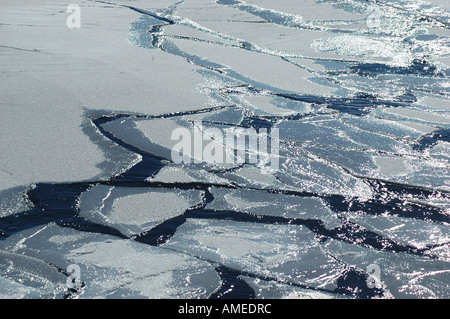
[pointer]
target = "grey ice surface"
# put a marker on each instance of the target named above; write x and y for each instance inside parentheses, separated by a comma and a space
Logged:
(358, 91)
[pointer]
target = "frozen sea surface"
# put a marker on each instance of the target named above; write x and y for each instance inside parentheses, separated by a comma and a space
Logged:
(360, 96)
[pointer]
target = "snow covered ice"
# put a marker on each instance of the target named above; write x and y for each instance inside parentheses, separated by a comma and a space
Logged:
(357, 90)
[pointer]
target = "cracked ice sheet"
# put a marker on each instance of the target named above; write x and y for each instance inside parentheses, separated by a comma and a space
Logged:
(45, 89)
(194, 33)
(326, 131)
(424, 116)
(406, 276)
(423, 119)
(277, 39)
(134, 210)
(265, 71)
(434, 8)
(286, 252)
(393, 51)
(399, 168)
(135, 96)
(154, 5)
(205, 11)
(29, 277)
(154, 136)
(397, 85)
(310, 10)
(117, 268)
(266, 105)
(230, 21)
(297, 169)
(366, 148)
(308, 172)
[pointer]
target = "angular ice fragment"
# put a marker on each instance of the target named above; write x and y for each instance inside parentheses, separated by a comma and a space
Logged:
(134, 210)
